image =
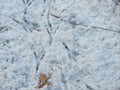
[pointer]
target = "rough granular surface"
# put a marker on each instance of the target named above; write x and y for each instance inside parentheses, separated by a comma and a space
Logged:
(74, 44)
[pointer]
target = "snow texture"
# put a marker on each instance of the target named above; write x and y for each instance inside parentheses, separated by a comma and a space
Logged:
(77, 42)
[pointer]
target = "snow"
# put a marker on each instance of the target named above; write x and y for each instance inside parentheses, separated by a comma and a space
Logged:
(77, 42)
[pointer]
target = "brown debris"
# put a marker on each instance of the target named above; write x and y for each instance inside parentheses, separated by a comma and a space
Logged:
(43, 80)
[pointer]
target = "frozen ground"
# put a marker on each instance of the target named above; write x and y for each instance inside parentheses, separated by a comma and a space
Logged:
(76, 41)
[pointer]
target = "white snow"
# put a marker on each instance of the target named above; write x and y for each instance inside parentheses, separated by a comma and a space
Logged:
(77, 42)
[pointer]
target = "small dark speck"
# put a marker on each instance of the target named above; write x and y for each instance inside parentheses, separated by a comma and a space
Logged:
(5, 68)
(7, 41)
(38, 30)
(7, 60)
(115, 44)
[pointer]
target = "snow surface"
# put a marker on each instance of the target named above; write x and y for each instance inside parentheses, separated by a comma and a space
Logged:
(77, 42)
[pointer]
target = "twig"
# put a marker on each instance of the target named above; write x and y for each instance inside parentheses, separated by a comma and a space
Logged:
(74, 23)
